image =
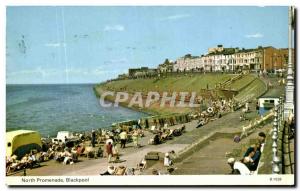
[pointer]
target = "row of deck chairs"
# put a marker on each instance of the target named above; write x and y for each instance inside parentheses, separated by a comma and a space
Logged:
(119, 171)
(166, 134)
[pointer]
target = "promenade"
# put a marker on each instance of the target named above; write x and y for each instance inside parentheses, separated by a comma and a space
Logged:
(229, 124)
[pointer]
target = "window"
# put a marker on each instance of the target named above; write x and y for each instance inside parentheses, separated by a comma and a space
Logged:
(271, 101)
(9, 144)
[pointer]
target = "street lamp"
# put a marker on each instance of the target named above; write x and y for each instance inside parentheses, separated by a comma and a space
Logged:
(289, 90)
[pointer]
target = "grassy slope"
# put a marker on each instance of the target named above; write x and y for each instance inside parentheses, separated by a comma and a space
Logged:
(248, 85)
(178, 83)
(253, 90)
(239, 84)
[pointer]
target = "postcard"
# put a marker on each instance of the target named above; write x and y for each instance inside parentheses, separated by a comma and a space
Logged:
(150, 95)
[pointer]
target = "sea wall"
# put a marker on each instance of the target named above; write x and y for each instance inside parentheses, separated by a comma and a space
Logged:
(157, 121)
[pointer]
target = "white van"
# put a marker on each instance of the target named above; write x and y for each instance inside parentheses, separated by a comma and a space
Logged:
(63, 135)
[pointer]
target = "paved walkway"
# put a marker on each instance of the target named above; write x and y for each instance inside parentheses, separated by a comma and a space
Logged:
(211, 159)
(130, 155)
(229, 123)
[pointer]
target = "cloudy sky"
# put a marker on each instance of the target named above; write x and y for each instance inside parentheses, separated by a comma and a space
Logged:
(92, 44)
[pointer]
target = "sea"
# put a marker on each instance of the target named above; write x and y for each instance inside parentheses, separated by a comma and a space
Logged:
(67, 107)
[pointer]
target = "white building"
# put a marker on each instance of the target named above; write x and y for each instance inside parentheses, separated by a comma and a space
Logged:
(223, 59)
(188, 64)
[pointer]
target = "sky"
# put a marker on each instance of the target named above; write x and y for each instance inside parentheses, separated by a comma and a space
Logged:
(55, 44)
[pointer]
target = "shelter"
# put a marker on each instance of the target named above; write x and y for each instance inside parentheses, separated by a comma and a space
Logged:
(20, 142)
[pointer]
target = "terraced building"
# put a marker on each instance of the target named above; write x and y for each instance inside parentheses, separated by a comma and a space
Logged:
(267, 59)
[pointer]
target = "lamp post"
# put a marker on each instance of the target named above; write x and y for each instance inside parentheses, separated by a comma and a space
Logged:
(289, 90)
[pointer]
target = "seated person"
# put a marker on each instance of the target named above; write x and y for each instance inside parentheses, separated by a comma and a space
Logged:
(156, 139)
(74, 157)
(165, 134)
(16, 165)
(142, 165)
(110, 171)
(177, 132)
(201, 122)
(68, 158)
(25, 162)
(44, 156)
(254, 153)
(50, 153)
(167, 160)
(120, 170)
(33, 160)
(130, 171)
(238, 167)
(155, 172)
(250, 149)
(12, 164)
(58, 156)
(8, 163)
(182, 129)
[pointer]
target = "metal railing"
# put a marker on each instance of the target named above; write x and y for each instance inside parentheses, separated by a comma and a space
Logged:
(276, 160)
(282, 162)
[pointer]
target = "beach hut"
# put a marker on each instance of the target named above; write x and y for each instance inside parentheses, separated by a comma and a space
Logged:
(269, 99)
(20, 142)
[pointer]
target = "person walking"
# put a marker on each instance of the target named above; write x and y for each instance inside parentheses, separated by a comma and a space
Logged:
(135, 138)
(139, 124)
(123, 138)
(115, 151)
(93, 138)
(109, 151)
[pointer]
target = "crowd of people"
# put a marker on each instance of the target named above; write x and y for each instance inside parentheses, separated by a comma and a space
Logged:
(95, 144)
(214, 111)
(163, 134)
(28, 161)
(104, 143)
(49, 151)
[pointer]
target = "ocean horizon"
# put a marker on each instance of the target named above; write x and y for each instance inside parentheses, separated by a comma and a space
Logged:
(25, 84)
(49, 108)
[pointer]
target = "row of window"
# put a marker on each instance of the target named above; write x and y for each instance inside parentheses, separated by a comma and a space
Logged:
(252, 61)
